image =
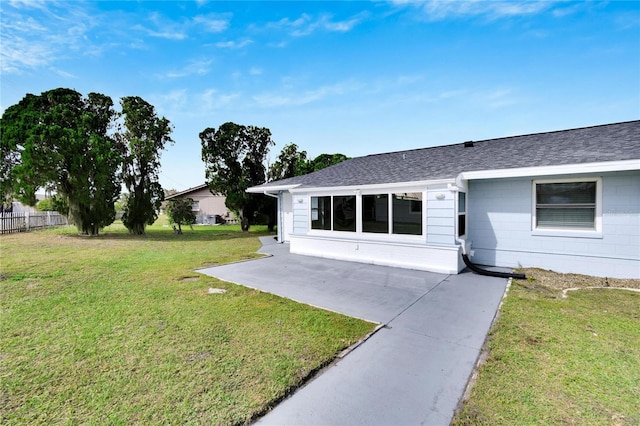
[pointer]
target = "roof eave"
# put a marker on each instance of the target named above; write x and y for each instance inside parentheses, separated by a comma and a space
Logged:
(272, 189)
(566, 169)
(380, 186)
(186, 191)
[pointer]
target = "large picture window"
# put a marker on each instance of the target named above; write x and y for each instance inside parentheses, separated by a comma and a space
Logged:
(407, 213)
(321, 213)
(566, 205)
(375, 213)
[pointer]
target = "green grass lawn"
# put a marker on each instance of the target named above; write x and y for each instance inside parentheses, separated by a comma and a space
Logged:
(555, 360)
(119, 329)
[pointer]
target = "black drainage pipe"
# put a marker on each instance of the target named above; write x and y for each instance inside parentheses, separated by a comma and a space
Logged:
(481, 271)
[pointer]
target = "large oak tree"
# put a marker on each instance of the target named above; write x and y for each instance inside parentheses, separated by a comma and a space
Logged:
(234, 157)
(61, 140)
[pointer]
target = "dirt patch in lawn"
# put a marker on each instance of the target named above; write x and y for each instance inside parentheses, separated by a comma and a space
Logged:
(550, 280)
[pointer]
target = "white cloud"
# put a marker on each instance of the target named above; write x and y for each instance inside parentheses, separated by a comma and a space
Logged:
(281, 99)
(19, 4)
(436, 10)
(170, 103)
(233, 44)
(307, 24)
(18, 53)
(63, 73)
(496, 98)
(39, 34)
(213, 23)
(199, 67)
(212, 99)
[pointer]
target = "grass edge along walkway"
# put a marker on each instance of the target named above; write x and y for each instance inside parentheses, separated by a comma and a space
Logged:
(551, 359)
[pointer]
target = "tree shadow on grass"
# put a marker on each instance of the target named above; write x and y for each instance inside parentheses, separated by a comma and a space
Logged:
(168, 235)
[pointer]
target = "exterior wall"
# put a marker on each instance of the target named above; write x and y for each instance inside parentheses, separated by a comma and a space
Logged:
(500, 229)
(440, 215)
(441, 259)
(300, 209)
(436, 250)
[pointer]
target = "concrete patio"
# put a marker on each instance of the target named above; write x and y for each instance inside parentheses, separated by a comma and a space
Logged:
(413, 370)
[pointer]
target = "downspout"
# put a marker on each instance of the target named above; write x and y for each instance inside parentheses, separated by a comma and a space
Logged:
(465, 258)
(481, 271)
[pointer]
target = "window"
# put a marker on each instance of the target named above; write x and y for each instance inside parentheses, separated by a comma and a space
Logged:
(375, 213)
(462, 214)
(407, 213)
(344, 213)
(568, 205)
(399, 213)
(321, 213)
(195, 206)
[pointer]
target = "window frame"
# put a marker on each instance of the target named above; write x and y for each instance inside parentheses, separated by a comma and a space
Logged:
(388, 214)
(311, 209)
(389, 235)
(460, 214)
(393, 212)
(595, 232)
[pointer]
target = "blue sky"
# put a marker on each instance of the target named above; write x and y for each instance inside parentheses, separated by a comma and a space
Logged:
(350, 77)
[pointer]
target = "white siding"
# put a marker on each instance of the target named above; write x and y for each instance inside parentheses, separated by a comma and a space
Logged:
(499, 227)
(441, 259)
(300, 208)
(440, 215)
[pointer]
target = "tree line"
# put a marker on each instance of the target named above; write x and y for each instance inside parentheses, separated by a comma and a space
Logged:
(85, 151)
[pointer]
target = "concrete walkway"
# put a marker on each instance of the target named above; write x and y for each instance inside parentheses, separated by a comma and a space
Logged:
(412, 371)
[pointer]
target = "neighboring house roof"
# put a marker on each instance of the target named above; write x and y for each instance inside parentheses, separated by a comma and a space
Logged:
(187, 192)
(596, 144)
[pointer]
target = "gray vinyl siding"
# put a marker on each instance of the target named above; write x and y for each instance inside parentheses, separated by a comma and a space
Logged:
(499, 227)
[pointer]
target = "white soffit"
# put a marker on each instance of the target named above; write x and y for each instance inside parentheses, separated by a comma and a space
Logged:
(376, 186)
(271, 189)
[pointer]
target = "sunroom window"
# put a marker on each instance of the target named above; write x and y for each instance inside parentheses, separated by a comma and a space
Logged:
(321, 213)
(344, 213)
(375, 213)
(566, 205)
(407, 213)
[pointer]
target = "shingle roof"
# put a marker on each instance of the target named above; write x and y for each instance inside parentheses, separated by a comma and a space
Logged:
(609, 142)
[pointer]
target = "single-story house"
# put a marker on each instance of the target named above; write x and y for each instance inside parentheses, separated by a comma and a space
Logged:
(565, 200)
(209, 208)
